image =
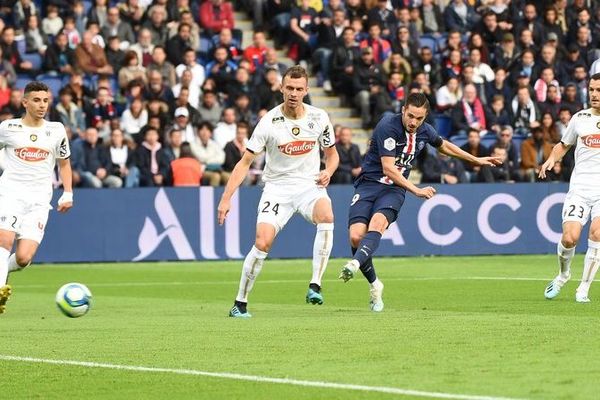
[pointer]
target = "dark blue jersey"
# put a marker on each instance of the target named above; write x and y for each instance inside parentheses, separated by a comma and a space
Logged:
(390, 139)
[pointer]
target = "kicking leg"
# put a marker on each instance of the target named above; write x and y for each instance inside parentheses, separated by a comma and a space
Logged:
(265, 234)
(565, 252)
(591, 263)
(323, 217)
(6, 242)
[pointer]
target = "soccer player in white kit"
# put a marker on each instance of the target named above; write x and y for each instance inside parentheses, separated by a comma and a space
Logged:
(32, 148)
(583, 198)
(291, 134)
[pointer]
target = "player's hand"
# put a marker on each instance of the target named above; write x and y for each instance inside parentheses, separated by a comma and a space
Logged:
(547, 166)
(489, 161)
(223, 210)
(323, 179)
(65, 202)
(425, 193)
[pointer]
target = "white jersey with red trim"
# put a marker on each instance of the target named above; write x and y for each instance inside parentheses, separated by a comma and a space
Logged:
(584, 132)
(292, 145)
(30, 158)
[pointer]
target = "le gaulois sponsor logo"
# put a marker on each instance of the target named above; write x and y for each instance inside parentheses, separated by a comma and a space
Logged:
(297, 147)
(31, 154)
(591, 140)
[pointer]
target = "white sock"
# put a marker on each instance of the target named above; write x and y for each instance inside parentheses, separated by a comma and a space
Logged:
(4, 254)
(565, 256)
(590, 267)
(252, 265)
(12, 264)
(321, 251)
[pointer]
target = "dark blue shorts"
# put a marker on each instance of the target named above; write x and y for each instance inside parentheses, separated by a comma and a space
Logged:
(370, 197)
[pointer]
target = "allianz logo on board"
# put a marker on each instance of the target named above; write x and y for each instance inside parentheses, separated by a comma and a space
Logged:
(169, 228)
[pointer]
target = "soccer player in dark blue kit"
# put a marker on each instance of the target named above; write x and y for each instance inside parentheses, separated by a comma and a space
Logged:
(381, 187)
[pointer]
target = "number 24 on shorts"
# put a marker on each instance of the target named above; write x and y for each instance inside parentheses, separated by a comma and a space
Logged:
(266, 207)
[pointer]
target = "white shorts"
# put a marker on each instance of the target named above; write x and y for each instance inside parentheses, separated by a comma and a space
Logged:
(278, 204)
(578, 207)
(26, 219)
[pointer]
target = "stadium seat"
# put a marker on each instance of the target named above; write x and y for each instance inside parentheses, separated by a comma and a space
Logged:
(443, 125)
(22, 81)
(459, 140)
(54, 82)
(35, 59)
(21, 46)
(87, 4)
(428, 41)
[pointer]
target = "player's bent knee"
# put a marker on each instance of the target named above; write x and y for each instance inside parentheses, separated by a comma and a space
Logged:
(355, 238)
(595, 235)
(263, 244)
(23, 260)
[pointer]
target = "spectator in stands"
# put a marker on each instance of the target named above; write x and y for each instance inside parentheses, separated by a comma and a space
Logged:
(505, 55)
(132, 12)
(216, 15)
(395, 63)
(97, 14)
(581, 83)
(193, 90)
(82, 95)
(133, 119)
(165, 68)
(7, 70)
(564, 116)
(439, 168)
(272, 62)
(70, 114)
(482, 72)
(448, 96)
(4, 91)
(497, 114)
(144, 47)
(114, 55)
(506, 141)
(382, 16)
(526, 114)
(36, 40)
(91, 58)
(183, 100)
(225, 130)
(551, 133)
(460, 16)
(345, 55)
(543, 82)
(210, 110)
(567, 65)
(120, 158)
(502, 173)
(525, 66)
(368, 80)
(381, 47)
(190, 63)
(534, 151)
(404, 45)
(96, 165)
(222, 69)
(186, 170)
(157, 24)
(550, 25)
(469, 113)
(429, 66)
(22, 10)
(350, 158)
(243, 112)
(14, 108)
(256, 52)
(158, 90)
(473, 146)
(150, 161)
(11, 53)
(303, 25)
(268, 92)
(332, 23)
(570, 100)
(72, 32)
(453, 65)
(178, 44)
(226, 39)
(209, 153)
(186, 17)
(241, 84)
(114, 26)
(391, 99)
(174, 142)
(131, 70)
(102, 112)
(552, 103)
(183, 123)
(59, 58)
(97, 38)
(234, 150)
(52, 23)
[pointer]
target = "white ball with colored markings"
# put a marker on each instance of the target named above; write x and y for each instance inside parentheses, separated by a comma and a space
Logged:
(74, 299)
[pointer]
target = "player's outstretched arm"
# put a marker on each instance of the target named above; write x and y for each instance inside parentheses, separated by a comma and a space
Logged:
(239, 173)
(391, 171)
(66, 176)
(558, 152)
(452, 150)
(332, 160)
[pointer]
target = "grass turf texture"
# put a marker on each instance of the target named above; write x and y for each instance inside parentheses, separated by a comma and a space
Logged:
(443, 330)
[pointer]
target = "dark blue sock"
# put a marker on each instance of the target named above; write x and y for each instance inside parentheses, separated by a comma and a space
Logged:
(367, 247)
(368, 270)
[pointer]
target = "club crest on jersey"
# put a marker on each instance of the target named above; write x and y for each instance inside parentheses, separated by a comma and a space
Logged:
(420, 146)
(32, 154)
(295, 131)
(296, 148)
(592, 141)
(598, 125)
(33, 137)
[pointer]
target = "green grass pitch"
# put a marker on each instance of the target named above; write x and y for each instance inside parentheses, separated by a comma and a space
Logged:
(456, 326)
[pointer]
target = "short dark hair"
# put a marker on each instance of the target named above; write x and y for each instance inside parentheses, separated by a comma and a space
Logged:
(36, 86)
(207, 125)
(186, 150)
(595, 77)
(295, 72)
(243, 125)
(418, 100)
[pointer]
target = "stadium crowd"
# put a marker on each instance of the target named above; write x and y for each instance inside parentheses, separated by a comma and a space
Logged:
(161, 92)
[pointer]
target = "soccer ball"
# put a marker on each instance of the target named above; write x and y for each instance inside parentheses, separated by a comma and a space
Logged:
(74, 299)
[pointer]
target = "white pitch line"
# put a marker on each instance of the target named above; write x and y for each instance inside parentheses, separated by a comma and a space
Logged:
(277, 281)
(255, 378)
